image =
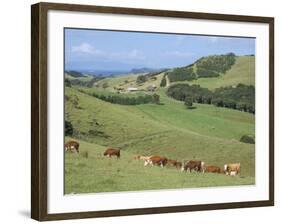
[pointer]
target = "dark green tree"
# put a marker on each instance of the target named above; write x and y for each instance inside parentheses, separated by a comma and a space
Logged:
(163, 82)
(188, 102)
(67, 83)
(68, 128)
(105, 85)
(155, 98)
(141, 79)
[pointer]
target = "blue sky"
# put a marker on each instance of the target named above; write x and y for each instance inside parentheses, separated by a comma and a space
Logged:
(114, 50)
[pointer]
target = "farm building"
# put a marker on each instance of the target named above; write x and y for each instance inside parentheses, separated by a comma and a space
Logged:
(132, 89)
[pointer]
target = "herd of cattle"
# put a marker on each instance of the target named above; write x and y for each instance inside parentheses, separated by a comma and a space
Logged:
(231, 169)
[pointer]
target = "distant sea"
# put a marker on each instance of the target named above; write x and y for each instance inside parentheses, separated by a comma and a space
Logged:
(115, 72)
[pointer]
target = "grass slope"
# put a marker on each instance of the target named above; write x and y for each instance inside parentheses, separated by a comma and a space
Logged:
(243, 71)
(129, 81)
(89, 172)
(207, 133)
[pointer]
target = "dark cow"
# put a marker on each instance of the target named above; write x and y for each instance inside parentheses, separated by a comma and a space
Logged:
(193, 165)
(212, 169)
(112, 152)
(71, 145)
(156, 160)
(174, 163)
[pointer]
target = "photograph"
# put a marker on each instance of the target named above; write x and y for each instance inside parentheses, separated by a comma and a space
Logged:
(150, 111)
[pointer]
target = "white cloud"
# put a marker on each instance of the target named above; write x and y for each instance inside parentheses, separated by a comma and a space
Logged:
(86, 48)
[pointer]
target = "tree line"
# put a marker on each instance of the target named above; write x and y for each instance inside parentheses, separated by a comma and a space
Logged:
(211, 66)
(215, 63)
(240, 97)
(125, 100)
(81, 82)
(148, 76)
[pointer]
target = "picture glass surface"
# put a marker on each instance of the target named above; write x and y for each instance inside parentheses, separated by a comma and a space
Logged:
(152, 111)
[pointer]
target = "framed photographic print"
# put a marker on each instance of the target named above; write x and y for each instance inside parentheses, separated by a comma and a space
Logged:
(140, 111)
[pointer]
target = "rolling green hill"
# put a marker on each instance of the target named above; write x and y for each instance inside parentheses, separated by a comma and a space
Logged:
(208, 133)
(243, 71)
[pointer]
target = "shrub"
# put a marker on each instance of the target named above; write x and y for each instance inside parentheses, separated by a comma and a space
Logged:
(105, 85)
(155, 98)
(141, 79)
(188, 102)
(68, 128)
(163, 82)
(67, 83)
(247, 139)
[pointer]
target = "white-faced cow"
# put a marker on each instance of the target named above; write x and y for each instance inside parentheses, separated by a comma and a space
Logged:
(71, 146)
(112, 152)
(139, 157)
(195, 165)
(156, 160)
(232, 169)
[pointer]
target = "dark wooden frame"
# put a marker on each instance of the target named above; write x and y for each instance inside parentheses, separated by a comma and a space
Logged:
(39, 110)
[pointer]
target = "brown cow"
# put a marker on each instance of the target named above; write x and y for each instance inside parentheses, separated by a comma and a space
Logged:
(112, 152)
(71, 145)
(174, 163)
(193, 165)
(232, 169)
(212, 169)
(179, 165)
(156, 160)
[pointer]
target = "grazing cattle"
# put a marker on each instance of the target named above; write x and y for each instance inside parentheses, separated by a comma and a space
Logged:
(232, 169)
(172, 162)
(71, 145)
(193, 165)
(139, 157)
(112, 152)
(156, 160)
(144, 158)
(212, 169)
(179, 165)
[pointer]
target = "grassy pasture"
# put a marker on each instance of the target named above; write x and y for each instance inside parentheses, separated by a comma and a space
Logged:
(96, 173)
(207, 133)
(127, 81)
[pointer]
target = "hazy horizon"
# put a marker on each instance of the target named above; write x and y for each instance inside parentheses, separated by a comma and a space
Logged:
(97, 50)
